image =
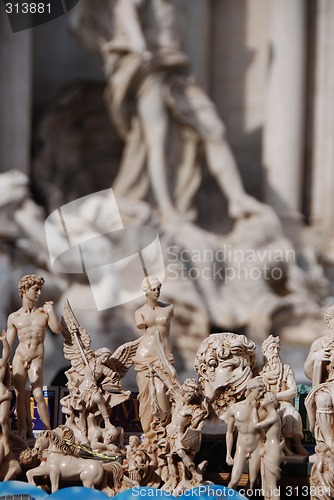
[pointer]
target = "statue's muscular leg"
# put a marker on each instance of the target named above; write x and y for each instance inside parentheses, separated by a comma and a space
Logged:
(220, 160)
(19, 381)
(35, 374)
(100, 403)
(239, 461)
(154, 118)
(254, 464)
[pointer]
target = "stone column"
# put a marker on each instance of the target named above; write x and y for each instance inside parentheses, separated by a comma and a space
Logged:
(283, 141)
(15, 96)
(198, 39)
(322, 164)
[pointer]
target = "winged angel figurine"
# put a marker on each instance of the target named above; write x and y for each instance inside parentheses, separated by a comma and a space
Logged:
(94, 381)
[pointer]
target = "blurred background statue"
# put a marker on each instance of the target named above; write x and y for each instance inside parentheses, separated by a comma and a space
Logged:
(150, 87)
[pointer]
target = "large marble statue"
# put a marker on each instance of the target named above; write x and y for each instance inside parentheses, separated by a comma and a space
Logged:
(149, 82)
(29, 324)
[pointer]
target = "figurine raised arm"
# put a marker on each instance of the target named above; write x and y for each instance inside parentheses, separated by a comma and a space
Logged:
(154, 349)
(29, 324)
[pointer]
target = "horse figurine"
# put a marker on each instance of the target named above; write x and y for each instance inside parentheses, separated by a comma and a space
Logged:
(59, 462)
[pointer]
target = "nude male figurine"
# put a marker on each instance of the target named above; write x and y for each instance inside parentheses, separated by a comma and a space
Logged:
(244, 416)
(29, 324)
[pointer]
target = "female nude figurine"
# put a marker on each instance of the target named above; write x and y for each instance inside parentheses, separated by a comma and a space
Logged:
(29, 325)
(271, 454)
(153, 353)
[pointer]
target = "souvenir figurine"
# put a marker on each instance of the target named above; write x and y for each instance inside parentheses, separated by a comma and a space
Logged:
(322, 473)
(319, 367)
(60, 461)
(280, 379)
(29, 324)
(94, 378)
(138, 465)
(9, 465)
(183, 435)
(244, 416)
(319, 403)
(153, 351)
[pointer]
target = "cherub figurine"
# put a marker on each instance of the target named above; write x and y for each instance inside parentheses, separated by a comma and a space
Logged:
(93, 379)
(29, 325)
